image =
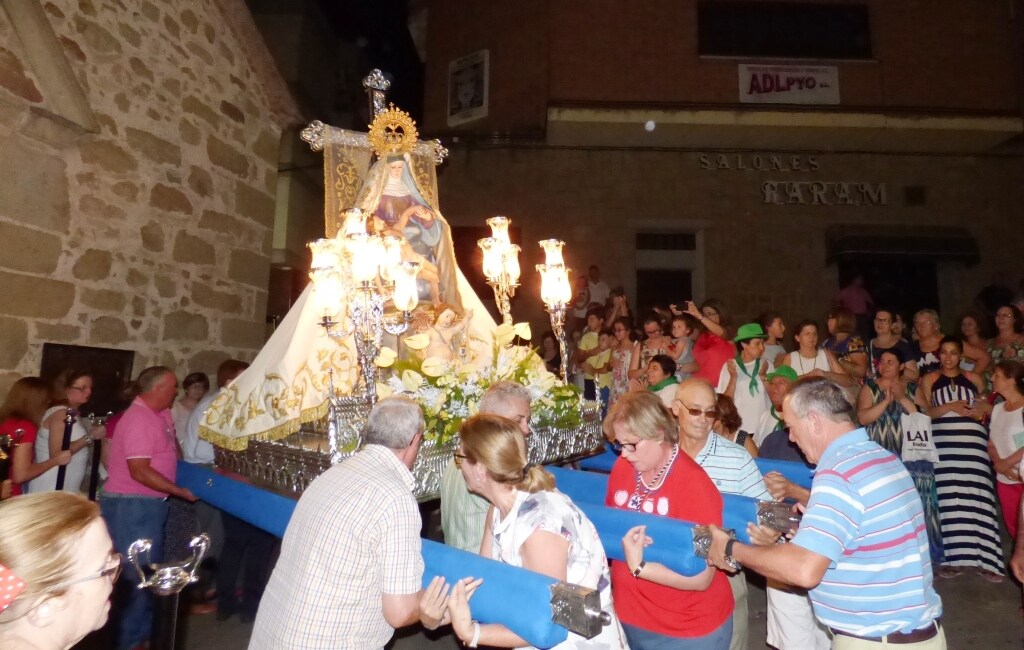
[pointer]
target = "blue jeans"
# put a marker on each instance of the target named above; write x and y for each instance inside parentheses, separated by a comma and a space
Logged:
(640, 639)
(605, 393)
(129, 518)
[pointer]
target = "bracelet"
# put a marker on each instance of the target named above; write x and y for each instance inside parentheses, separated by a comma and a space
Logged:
(639, 568)
(476, 636)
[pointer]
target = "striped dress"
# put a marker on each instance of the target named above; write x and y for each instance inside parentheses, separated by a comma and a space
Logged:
(964, 481)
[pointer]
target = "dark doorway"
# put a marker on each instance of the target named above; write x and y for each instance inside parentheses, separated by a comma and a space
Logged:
(904, 283)
(662, 287)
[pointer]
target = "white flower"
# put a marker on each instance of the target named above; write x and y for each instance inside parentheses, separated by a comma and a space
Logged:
(412, 380)
(522, 330)
(383, 390)
(433, 366)
(385, 358)
(417, 341)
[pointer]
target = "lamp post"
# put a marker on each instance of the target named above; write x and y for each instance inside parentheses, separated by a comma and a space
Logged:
(501, 265)
(354, 275)
(556, 294)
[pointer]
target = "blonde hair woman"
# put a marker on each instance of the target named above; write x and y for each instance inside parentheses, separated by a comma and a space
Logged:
(529, 525)
(58, 559)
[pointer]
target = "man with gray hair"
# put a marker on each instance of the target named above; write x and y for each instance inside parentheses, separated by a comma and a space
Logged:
(862, 547)
(462, 512)
(350, 565)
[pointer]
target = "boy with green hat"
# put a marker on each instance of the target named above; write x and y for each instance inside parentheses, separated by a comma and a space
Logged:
(743, 378)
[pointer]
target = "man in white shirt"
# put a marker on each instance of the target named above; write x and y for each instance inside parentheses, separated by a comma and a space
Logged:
(599, 289)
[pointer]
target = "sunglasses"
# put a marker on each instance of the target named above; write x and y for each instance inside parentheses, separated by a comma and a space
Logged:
(711, 414)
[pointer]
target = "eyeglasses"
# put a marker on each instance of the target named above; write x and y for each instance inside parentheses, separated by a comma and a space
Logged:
(113, 571)
(711, 414)
(459, 458)
(619, 447)
(80, 388)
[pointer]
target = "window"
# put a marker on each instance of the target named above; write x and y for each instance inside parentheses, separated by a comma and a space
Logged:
(792, 30)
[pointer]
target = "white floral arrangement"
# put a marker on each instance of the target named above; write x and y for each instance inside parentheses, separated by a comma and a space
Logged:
(449, 390)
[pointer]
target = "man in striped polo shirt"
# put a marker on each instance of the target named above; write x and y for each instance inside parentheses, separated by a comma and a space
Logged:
(862, 547)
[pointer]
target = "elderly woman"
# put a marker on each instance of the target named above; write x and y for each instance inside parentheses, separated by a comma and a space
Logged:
(58, 566)
(925, 349)
(74, 390)
(529, 525)
(1008, 342)
(659, 378)
(660, 608)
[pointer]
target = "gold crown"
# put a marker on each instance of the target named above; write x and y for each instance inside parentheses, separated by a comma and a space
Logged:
(393, 131)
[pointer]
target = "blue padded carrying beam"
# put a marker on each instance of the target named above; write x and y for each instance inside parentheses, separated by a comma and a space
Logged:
(601, 462)
(517, 598)
(796, 473)
(590, 488)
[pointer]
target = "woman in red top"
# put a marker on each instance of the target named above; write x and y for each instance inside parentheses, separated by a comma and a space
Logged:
(657, 606)
(711, 349)
(19, 419)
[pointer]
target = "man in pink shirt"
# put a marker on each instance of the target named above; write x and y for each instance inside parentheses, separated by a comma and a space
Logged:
(142, 466)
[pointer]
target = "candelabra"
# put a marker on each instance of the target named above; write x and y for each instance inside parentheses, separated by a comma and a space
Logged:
(556, 294)
(501, 265)
(354, 275)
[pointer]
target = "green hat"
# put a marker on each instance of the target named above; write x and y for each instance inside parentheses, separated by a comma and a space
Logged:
(749, 331)
(782, 371)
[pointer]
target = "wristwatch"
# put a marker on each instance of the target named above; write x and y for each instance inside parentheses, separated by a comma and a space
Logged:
(728, 554)
(639, 568)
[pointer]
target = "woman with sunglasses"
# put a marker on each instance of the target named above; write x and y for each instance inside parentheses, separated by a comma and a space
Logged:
(660, 608)
(57, 568)
(74, 390)
(530, 525)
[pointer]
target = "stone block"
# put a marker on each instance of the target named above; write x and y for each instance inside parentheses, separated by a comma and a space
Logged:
(185, 326)
(267, 145)
(30, 296)
(194, 105)
(139, 305)
(107, 156)
(189, 20)
(126, 190)
(193, 250)
(156, 149)
(35, 186)
(189, 133)
(204, 55)
(130, 35)
(207, 361)
(171, 199)
(225, 156)
(238, 333)
(250, 268)
(93, 264)
(14, 78)
(232, 111)
(254, 204)
(220, 222)
(73, 49)
(151, 11)
(165, 286)
(99, 209)
(108, 329)
(200, 181)
(13, 341)
(96, 37)
(206, 296)
(32, 251)
(140, 68)
(57, 333)
(136, 278)
(103, 299)
(152, 237)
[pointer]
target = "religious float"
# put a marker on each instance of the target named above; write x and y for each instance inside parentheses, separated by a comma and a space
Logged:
(389, 311)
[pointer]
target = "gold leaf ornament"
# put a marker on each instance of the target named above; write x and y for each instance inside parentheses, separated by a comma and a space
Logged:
(393, 132)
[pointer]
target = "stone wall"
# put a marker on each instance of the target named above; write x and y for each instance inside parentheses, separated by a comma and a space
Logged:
(145, 225)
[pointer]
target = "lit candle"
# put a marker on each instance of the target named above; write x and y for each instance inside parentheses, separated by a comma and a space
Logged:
(511, 263)
(325, 254)
(406, 295)
(392, 257)
(354, 223)
(328, 293)
(365, 260)
(499, 228)
(492, 257)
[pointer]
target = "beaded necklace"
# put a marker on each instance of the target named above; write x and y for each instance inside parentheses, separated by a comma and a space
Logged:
(642, 490)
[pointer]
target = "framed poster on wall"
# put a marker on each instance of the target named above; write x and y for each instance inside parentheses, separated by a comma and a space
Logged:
(468, 81)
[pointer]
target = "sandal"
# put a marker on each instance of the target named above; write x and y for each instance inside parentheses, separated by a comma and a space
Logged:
(948, 571)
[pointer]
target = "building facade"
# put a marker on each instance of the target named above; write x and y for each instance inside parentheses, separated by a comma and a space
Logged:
(759, 152)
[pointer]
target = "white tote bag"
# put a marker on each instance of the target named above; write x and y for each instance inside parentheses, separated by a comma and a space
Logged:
(917, 438)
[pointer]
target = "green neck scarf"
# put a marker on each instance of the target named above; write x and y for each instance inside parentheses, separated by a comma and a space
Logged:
(753, 376)
(667, 381)
(775, 415)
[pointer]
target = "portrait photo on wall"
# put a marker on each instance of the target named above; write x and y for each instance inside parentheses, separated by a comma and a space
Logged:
(468, 78)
